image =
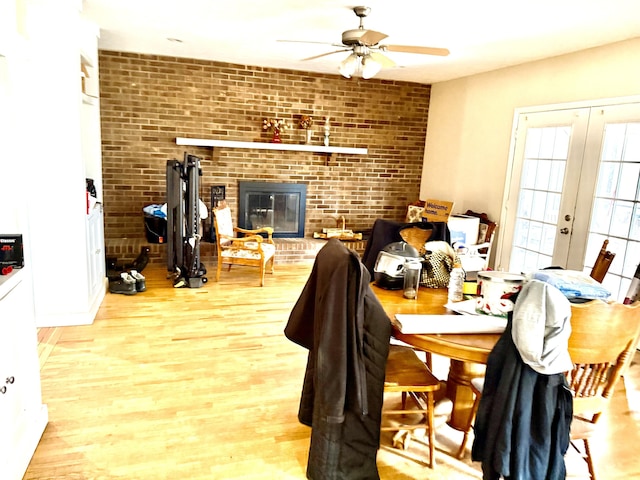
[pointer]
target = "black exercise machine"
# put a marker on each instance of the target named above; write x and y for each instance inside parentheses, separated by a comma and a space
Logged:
(183, 221)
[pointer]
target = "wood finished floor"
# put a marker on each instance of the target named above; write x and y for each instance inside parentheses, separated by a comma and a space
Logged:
(202, 384)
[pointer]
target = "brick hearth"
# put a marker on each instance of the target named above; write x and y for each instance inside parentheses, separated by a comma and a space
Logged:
(288, 250)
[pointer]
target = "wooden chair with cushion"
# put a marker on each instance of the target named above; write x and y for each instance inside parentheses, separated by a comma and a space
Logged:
(406, 373)
(602, 263)
(602, 341)
(251, 250)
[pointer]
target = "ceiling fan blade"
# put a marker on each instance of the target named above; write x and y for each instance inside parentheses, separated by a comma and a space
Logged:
(371, 37)
(442, 52)
(311, 42)
(325, 54)
(386, 62)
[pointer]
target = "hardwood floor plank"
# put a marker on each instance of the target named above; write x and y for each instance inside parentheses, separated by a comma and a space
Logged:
(202, 384)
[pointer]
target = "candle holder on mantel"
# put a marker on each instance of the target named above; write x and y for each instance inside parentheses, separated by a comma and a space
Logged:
(276, 126)
(327, 130)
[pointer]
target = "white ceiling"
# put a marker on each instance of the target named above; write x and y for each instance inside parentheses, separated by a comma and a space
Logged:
(482, 35)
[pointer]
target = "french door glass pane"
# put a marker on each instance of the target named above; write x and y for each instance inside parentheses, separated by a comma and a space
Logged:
(548, 240)
(621, 219)
(602, 211)
(535, 236)
(542, 175)
(542, 179)
(607, 179)
(616, 208)
(634, 234)
(556, 177)
(525, 203)
(529, 173)
(552, 208)
(632, 255)
(613, 142)
(539, 204)
(529, 260)
(561, 143)
(632, 147)
(629, 181)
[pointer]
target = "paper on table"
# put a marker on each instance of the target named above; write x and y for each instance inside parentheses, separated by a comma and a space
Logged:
(465, 307)
(418, 323)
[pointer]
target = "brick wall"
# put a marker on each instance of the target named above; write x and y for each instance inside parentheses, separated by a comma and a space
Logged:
(148, 101)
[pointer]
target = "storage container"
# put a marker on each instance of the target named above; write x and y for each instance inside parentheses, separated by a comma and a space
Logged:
(495, 290)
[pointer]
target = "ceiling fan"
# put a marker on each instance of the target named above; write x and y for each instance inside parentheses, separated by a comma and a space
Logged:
(365, 49)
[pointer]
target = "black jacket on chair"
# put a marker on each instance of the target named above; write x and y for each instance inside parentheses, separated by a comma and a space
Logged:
(341, 322)
(523, 419)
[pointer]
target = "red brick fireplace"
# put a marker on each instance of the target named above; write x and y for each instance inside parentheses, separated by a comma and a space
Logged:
(148, 101)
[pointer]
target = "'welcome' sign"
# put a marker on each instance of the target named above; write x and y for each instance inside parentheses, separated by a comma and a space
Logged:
(437, 210)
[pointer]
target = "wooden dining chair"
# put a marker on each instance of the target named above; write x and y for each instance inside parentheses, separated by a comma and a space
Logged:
(476, 384)
(603, 338)
(406, 373)
(602, 263)
(251, 250)
(486, 231)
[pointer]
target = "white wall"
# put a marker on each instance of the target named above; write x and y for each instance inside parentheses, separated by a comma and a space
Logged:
(470, 119)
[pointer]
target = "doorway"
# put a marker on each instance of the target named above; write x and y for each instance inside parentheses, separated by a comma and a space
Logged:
(574, 182)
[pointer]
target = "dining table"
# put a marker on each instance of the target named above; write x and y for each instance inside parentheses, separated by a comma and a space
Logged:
(468, 352)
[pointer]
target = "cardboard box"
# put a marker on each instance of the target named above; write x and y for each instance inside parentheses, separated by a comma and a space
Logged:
(464, 228)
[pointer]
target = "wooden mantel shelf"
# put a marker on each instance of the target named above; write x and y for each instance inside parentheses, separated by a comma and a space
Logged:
(204, 142)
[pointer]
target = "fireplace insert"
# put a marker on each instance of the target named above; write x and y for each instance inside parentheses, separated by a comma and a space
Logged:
(277, 205)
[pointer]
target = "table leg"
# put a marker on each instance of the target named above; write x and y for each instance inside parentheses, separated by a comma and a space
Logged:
(459, 391)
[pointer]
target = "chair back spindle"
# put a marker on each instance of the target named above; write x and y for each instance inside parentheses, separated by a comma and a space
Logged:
(602, 263)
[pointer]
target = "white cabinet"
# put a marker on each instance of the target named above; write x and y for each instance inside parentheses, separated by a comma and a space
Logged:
(65, 241)
(90, 139)
(23, 417)
(96, 270)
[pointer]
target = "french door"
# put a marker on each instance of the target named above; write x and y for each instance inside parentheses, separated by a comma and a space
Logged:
(574, 182)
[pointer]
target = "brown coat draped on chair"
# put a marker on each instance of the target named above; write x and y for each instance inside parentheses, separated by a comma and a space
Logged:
(341, 322)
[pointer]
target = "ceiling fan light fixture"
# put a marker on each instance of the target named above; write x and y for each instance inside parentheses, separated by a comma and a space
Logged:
(348, 66)
(370, 67)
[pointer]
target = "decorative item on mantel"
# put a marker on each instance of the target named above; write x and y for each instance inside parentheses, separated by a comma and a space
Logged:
(305, 123)
(327, 131)
(275, 125)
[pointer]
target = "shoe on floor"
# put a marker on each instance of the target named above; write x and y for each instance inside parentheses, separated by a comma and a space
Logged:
(141, 283)
(123, 286)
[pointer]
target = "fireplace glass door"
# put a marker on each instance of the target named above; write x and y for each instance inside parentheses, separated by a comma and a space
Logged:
(276, 205)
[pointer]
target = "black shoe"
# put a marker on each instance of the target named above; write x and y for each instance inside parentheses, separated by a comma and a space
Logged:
(113, 275)
(120, 286)
(126, 285)
(141, 260)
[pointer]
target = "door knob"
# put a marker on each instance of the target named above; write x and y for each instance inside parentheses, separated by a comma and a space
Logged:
(564, 231)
